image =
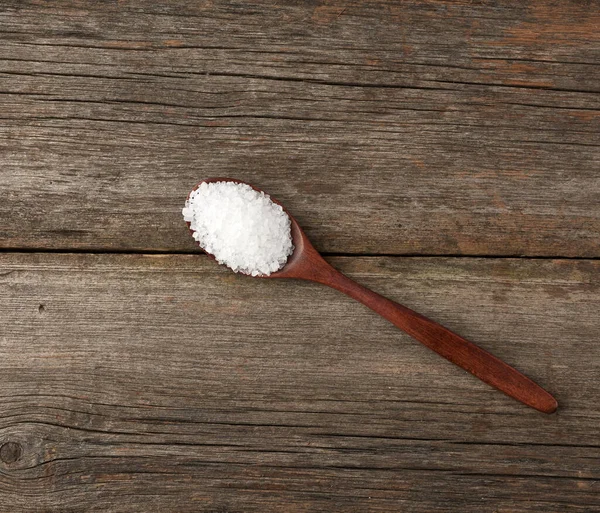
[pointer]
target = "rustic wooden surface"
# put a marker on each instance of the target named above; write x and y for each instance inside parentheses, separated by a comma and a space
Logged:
(474, 128)
(165, 381)
(407, 139)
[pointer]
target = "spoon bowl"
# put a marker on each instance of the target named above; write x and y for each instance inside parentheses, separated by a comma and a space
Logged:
(305, 263)
(298, 264)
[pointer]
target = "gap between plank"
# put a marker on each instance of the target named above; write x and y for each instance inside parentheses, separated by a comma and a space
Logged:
(101, 251)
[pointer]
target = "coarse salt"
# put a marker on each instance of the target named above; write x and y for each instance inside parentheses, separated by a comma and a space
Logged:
(243, 228)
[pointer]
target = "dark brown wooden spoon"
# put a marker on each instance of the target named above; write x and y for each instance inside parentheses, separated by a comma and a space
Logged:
(306, 263)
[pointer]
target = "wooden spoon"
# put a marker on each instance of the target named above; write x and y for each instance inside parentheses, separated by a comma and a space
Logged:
(306, 263)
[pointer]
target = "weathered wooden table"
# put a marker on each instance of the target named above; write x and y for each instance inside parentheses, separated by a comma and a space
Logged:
(445, 154)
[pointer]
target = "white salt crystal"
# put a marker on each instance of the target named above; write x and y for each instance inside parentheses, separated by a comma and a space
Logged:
(241, 227)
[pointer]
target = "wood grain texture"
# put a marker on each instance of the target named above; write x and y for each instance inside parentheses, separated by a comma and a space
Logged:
(166, 382)
(141, 382)
(468, 128)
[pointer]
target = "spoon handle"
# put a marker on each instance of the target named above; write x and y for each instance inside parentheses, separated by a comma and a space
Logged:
(446, 343)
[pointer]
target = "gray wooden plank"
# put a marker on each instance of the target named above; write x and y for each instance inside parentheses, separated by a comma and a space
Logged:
(420, 128)
(131, 382)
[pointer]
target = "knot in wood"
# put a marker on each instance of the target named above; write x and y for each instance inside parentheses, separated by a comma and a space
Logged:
(10, 452)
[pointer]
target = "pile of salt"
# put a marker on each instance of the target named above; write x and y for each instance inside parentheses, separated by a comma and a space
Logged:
(241, 227)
